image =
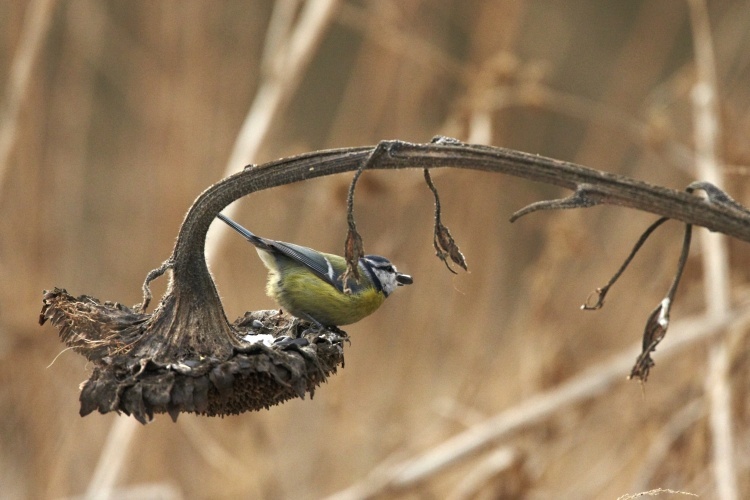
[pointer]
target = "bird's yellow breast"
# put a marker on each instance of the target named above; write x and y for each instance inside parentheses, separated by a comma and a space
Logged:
(305, 295)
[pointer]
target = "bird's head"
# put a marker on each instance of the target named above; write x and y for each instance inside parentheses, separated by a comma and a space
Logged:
(384, 275)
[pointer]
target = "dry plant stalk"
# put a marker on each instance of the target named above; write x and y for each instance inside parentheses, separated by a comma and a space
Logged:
(186, 356)
(707, 136)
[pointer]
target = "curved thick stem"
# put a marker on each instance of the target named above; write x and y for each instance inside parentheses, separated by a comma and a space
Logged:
(601, 188)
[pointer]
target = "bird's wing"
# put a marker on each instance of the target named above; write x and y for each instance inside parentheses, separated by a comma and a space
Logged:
(317, 262)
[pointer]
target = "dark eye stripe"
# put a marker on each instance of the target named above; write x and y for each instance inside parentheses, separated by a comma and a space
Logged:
(366, 262)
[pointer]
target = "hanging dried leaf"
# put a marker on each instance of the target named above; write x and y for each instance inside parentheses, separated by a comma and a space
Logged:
(445, 245)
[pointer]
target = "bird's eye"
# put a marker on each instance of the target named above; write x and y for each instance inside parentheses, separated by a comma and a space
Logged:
(387, 268)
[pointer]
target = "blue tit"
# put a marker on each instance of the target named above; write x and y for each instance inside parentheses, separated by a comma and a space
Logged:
(308, 284)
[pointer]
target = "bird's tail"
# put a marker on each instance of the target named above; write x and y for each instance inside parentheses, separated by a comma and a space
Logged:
(252, 238)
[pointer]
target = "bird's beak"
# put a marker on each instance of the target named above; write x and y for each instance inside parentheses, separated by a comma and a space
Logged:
(403, 279)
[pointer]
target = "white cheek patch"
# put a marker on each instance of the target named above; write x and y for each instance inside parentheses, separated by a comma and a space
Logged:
(387, 280)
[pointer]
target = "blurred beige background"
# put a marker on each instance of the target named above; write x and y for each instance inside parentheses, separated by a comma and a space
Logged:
(117, 114)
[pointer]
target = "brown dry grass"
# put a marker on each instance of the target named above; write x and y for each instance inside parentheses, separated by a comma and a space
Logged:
(132, 109)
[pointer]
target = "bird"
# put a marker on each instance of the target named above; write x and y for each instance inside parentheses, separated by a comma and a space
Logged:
(309, 284)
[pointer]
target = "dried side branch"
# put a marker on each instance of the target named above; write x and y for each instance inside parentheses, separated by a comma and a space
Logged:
(583, 197)
(151, 276)
(658, 321)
